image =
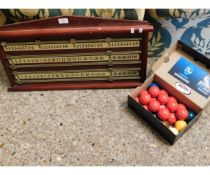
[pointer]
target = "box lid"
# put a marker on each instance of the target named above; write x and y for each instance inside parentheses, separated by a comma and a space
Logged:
(186, 70)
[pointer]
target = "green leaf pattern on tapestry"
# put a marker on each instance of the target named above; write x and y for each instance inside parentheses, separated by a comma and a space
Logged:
(155, 43)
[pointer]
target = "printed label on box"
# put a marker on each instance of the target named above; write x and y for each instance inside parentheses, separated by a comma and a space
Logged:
(192, 75)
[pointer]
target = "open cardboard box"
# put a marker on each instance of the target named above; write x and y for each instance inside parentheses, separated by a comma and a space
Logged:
(162, 74)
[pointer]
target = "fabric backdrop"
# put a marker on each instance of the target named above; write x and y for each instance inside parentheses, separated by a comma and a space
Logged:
(15, 15)
(192, 26)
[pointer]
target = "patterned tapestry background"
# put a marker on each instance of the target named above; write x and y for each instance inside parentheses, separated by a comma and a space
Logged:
(192, 26)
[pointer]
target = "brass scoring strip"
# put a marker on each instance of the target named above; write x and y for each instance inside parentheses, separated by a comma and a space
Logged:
(109, 63)
(111, 79)
(76, 74)
(71, 44)
(73, 58)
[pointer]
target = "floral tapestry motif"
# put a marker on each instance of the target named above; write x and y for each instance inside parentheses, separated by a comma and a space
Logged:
(191, 26)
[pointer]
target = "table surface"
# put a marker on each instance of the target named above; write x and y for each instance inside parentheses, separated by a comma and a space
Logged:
(89, 127)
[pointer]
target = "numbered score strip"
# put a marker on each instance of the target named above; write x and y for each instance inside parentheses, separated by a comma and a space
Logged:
(67, 75)
(71, 59)
(62, 46)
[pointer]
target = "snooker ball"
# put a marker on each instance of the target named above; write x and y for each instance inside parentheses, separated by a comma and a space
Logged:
(162, 106)
(181, 106)
(154, 91)
(163, 114)
(153, 84)
(190, 116)
(180, 125)
(172, 106)
(172, 99)
(154, 106)
(163, 92)
(144, 98)
(171, 119)
(143, 92)
(174, 130)
(162, 98)
(182, 114)
(153, 99)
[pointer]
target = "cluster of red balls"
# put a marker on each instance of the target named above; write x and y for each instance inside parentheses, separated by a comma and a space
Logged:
(166, 107)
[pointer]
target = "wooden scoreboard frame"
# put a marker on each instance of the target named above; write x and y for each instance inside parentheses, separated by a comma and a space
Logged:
(72, 52)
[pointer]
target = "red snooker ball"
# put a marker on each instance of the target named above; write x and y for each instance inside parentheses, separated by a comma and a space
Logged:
(154, 91)
(143, 92)
(154, 105)
(181, 106)
(162, 98)
(163, 114)
(162, 106)
(144, 99)
(171, 119)
(163, 92)
(172, 99)
(172, 106)
(153, 99)
(182, 114)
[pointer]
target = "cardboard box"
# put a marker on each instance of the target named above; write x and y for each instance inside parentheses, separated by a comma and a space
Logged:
(166, 74)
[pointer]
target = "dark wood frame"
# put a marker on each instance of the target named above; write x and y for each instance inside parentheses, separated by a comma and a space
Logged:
(79, 28)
